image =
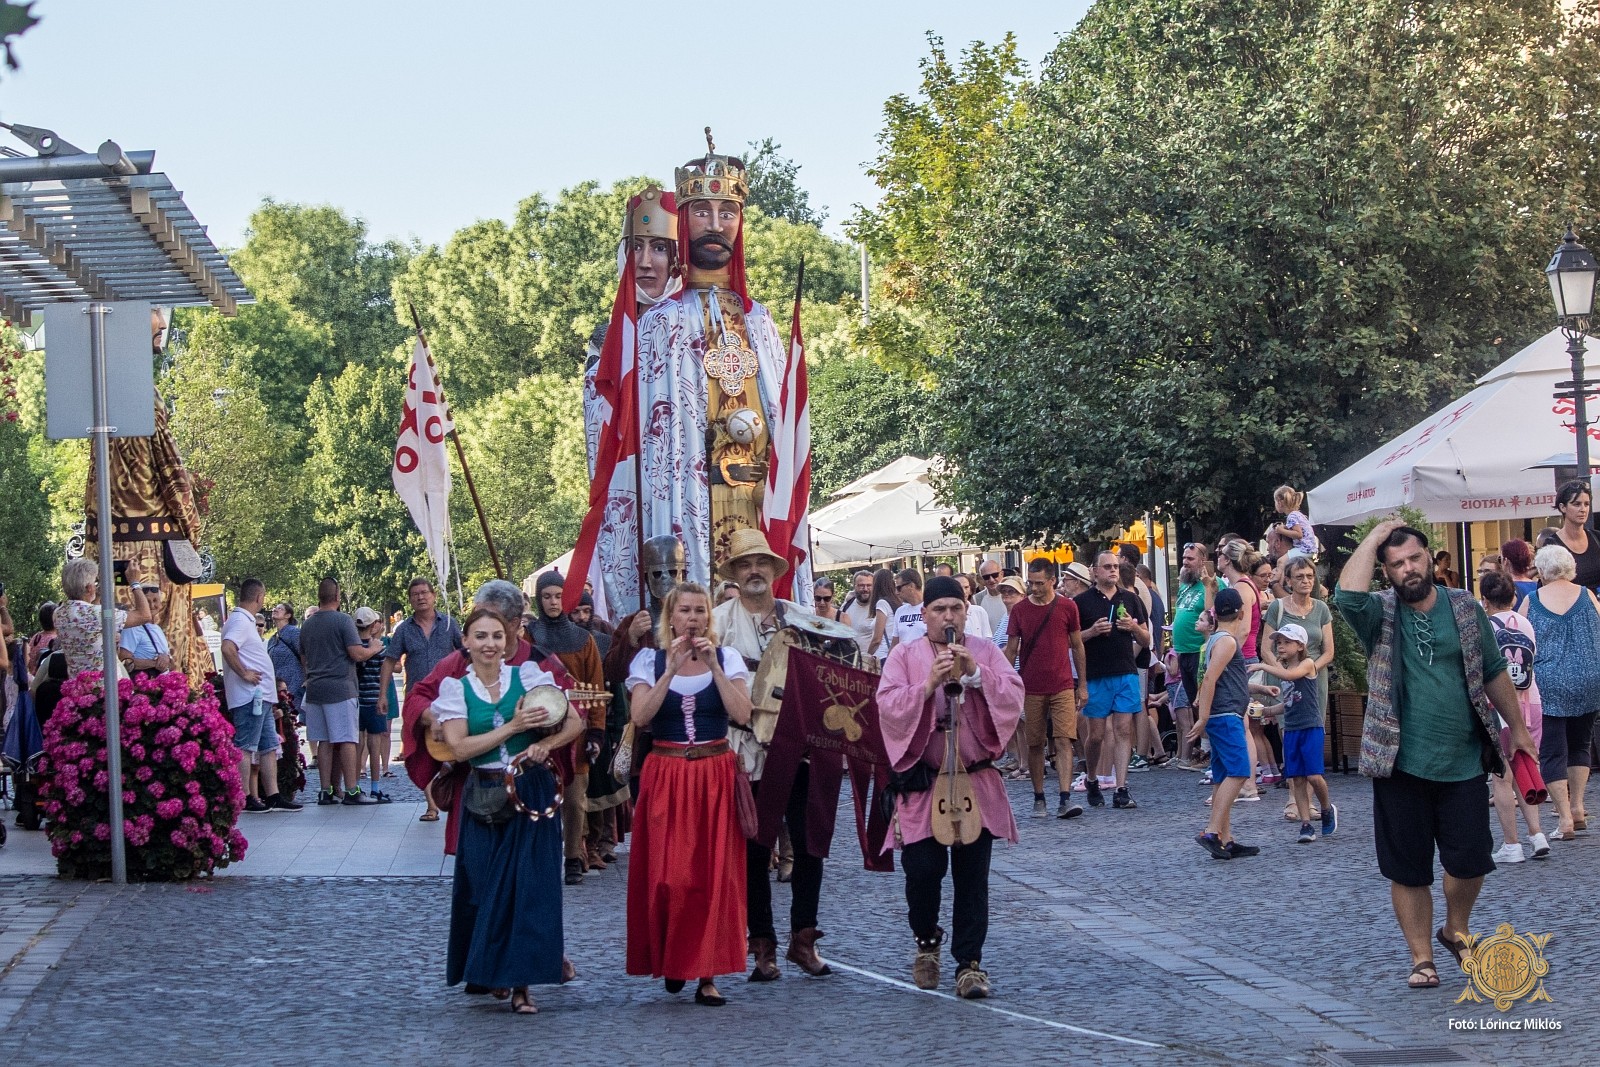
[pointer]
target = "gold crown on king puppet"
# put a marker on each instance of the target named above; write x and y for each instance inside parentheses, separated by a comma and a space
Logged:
(651, 213)
(712, 177)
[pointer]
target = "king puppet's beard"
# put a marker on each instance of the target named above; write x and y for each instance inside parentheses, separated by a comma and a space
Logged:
(711, 252)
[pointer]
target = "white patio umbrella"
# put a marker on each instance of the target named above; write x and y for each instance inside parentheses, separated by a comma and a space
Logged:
(1482, 457)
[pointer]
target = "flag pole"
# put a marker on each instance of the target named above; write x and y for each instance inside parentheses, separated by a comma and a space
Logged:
(477, 505)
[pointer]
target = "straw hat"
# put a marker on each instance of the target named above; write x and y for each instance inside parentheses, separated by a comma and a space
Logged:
(746, 542)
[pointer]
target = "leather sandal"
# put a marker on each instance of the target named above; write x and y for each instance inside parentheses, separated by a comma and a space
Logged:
(1456, 948)
(1427, 972)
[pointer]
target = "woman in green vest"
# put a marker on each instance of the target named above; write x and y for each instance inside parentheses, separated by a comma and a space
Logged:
(505, 909)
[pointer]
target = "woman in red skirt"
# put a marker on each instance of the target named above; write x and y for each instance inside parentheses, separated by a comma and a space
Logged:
(686, 906)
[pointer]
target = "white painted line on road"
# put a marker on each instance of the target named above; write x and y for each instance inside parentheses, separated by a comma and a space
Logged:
(909, 987)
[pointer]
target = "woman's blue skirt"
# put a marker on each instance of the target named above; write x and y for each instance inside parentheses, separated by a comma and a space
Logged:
(505, 910)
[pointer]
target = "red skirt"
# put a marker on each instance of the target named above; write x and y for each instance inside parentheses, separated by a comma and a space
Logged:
(686, 892)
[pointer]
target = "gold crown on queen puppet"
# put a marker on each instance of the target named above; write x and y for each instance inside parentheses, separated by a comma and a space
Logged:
(712, 177)
(651, 213)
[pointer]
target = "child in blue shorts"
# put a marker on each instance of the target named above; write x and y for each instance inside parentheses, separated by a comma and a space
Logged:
(1303, 737)
(1223, 699)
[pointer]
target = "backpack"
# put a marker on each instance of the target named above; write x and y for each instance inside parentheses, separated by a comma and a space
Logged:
(1517, 647)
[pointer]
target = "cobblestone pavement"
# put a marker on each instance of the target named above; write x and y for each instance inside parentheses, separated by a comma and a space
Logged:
(1113, 938)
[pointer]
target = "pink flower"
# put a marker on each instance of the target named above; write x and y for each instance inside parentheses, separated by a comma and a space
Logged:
(169, 809)
(102, 832)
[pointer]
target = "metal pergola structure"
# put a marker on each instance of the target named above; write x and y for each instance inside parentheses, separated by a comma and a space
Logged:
(96, 229)
(80, 227)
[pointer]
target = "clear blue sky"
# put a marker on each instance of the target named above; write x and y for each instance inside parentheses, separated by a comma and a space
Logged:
(421, 117)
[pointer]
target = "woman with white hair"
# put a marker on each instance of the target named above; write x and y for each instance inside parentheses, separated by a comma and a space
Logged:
(1566, 627)
(78, 629)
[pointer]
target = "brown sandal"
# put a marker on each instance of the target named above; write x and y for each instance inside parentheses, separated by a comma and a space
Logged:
(1458, 949)
(521, 1004)
(1425, 971)
(428, 816)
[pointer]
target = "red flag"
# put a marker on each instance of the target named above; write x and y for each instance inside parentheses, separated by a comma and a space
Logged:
(789, 474)
(616, 383)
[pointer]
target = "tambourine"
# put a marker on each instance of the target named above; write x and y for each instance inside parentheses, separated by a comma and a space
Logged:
(550, 699)
(519, 763)
(554, 700)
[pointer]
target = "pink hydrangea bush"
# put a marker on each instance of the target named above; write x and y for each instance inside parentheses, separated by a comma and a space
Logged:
(181, 793)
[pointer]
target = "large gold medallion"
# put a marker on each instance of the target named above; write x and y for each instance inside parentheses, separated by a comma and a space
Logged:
(731, 364)
(1505, 967)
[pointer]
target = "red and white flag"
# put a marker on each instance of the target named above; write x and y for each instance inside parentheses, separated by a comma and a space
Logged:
(789, 475)
(616, 384)
(421, 470)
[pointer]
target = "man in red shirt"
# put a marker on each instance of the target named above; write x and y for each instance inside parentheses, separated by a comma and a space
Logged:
(1044, 632)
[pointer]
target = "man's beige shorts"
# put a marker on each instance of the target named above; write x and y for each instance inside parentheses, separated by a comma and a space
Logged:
(1062, 709)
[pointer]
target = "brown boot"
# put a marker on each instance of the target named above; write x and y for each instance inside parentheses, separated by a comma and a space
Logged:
(803, 952)
(765, 950)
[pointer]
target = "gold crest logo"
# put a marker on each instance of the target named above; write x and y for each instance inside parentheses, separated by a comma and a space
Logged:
(1505, 967)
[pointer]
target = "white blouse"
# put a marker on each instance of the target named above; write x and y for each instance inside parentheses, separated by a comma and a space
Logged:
(642, 671)
(451, 703)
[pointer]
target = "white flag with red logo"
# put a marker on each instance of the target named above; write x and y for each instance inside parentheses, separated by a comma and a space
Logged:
(421, 471)
(789, 475)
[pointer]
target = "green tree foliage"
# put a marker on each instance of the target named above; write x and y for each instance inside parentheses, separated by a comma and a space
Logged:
(1227, 245)
(505, 300)
(272, 347)
(15, 20)
(365, 536)
(63, 465)
(772, 252)
(525, 445)
(324, 301)
(316, 262)
(246, 476)
(862, 417)
(30, 557)
(934, 160)
(775, 185)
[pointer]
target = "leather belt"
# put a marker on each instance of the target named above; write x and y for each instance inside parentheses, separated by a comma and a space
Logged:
(691, 752)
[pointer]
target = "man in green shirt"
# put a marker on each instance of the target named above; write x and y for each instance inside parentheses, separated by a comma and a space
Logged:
(1425, 742)
(1197, 588)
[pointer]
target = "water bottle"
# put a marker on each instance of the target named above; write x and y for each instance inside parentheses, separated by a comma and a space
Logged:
(255, 702)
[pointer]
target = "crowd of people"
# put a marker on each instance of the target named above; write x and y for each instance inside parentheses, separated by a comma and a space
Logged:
(1072, 671)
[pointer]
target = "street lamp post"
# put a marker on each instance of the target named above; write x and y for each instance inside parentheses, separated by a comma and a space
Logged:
(1571, 274)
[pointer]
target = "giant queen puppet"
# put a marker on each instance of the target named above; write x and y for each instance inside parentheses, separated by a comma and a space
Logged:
(689, 389)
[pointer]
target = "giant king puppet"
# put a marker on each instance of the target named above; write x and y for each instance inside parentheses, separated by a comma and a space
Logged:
(155, 522)
(690, 389)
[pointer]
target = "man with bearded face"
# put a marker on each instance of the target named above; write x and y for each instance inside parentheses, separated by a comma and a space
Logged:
(648, 268)
(1436, 678)
(711, 365)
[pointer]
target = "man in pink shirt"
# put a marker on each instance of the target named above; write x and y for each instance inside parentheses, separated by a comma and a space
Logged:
(914, 711)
